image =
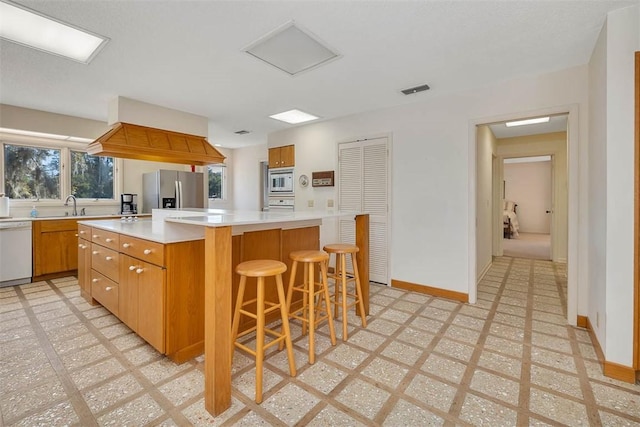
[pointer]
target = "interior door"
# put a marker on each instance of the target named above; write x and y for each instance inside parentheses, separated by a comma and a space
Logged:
(363, 170)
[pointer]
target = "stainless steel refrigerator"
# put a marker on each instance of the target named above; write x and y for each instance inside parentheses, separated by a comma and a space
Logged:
(172, 189)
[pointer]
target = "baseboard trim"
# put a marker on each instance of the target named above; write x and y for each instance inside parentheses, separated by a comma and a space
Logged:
(609, 369)
(619, 372)
(485, 271)
(429, 290)
(582, 321)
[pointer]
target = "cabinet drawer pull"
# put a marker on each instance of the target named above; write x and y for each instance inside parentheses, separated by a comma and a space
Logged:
(82, 232)
(147, 251)
(132, 267)
(76, 234)
(108, 258)
(109, 240)
(94, 280)
(95, 252)
(126, 245)
(81, 246)
(108, 288)
(140, 270)
(95, 236)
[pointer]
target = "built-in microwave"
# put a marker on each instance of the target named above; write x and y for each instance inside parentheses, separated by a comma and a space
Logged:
(281, 181)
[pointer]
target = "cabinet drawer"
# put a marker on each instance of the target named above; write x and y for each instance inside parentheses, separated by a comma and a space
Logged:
(105, 238)
(105, 291)
(84, 232)
(144, 250)
(105, 261)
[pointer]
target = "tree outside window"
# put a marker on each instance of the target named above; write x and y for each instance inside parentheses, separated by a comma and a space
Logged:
(91, 176)
(216, 181)
(31, 172)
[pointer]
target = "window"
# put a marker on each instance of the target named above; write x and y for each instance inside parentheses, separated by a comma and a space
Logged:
(31, 172)
(217, 180)
(91, 176)
(47, 170)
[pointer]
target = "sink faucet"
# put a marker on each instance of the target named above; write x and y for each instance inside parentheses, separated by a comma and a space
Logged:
(66, 203)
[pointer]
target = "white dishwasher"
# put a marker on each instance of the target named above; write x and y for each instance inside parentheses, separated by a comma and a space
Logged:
(15, 252)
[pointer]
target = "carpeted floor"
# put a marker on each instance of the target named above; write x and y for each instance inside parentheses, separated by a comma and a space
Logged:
(528, 245)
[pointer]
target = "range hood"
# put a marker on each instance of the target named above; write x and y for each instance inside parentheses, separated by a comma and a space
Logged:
(129, 141)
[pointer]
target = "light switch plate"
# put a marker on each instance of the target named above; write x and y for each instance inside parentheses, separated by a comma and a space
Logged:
(330, 203)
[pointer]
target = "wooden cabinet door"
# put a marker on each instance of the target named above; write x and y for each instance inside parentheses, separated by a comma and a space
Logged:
(84, 265)
(128, 292)
(151, 305)
(274, 157)
(57, 252)
(287, 156)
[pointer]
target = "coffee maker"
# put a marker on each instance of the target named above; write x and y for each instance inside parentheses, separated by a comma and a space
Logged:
(128, 204)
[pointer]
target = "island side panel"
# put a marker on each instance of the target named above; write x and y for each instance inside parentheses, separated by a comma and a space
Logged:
(217, 339)
(185, 300)
(362, 257)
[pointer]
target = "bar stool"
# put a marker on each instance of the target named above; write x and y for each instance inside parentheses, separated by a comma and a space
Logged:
(309, 313)
(340, 276)
(261, 269)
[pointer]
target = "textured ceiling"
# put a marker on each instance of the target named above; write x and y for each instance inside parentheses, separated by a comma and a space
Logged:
(187, 55)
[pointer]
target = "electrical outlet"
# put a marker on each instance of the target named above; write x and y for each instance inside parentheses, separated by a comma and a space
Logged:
(330, 203)
(310, 203)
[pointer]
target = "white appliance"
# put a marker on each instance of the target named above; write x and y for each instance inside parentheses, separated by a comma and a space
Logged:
(172, 189)
(281, 204)
(15, 253)
(281, 182)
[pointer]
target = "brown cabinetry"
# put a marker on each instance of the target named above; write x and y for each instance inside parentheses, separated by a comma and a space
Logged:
(281, 157)
(155, 289)
(84, 260)
(55, 250)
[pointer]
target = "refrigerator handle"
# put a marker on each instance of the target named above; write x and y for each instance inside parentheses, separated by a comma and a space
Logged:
(177, 195)
(180, 188)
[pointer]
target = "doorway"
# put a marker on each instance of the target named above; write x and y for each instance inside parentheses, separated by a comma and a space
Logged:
(488, 152)
(527, 199)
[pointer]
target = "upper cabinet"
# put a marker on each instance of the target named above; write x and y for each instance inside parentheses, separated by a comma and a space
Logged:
(282, 157)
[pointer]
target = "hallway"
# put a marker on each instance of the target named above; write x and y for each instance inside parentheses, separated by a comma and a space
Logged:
(510, 359)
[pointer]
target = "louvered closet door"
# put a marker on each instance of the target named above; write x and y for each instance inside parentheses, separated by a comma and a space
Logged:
(364, 186)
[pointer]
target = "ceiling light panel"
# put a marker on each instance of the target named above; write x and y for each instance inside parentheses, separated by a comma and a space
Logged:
(32, 29)
(527, 122)
(291, 50)
(294, 117)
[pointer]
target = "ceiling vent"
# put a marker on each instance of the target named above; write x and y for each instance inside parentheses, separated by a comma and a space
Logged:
(416, 89)
(242, 132)
(291, 49)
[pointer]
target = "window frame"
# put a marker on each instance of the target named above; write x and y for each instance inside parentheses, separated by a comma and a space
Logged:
(223, 170)
(65, 148)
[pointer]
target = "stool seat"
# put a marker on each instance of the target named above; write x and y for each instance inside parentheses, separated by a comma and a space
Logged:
(261, 268)
(341, 248)
(309, 256)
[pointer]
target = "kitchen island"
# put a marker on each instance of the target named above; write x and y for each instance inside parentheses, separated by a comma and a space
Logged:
(230, 237)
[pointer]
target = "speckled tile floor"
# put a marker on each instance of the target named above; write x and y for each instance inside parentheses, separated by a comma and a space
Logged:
(508, 360)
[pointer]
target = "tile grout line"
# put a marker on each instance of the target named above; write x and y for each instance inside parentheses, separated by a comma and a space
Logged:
(465, 383)
(588, 396)
(147, 386)
(524, 394)
(80, 407)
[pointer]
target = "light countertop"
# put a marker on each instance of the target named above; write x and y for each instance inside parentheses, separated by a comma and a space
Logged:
(171, 225)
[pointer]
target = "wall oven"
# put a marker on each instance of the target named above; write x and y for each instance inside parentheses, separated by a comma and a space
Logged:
(281, 182)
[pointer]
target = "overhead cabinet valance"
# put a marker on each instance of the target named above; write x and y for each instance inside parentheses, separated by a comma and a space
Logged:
(131, 141)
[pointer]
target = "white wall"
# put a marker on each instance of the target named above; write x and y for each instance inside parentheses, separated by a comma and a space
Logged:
(484, 199)
(246, 176)
(529, 185)
(431, 165)
(622, 40)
